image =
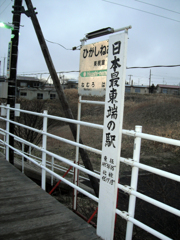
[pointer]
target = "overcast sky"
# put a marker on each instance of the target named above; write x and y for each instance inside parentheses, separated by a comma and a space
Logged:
(153, 40)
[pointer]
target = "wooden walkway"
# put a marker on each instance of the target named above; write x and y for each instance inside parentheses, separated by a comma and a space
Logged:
(28, 212)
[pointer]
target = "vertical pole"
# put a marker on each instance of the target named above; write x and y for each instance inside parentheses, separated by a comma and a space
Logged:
(13, 70)
(112, 135)
(22, 158)
(7, 130)
(52, 169)
(4, 145)
(29, 150)
(44, 143)
(134, 182)
(150, 81)
(76, 171)
(30, 153)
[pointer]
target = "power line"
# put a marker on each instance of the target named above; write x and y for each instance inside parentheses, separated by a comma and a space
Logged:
(2, 3)
(157, 66)
(46, 72)
(166, 76)
(58, 44)
(158, 6)
(141, 10)
(5, 8)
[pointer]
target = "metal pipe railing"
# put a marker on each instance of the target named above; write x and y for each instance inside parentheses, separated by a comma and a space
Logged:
(125, 216)
(152, 137)
(69, 162)
(151, 169)
(130, 191)
(134, 163)
(56, 175)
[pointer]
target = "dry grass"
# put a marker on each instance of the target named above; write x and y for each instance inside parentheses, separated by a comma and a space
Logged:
(157, 114)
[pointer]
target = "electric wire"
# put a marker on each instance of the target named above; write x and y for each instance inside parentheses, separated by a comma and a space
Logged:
(157, 6)
(142, 11)
(156, 66)
(75, 71)
(58, 44)
(2, 3)
(5, 8)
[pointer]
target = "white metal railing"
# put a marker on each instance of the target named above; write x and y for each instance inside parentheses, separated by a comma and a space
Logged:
(50, 166)
(2, 146)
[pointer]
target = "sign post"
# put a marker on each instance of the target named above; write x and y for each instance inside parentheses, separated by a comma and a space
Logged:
(112, 134)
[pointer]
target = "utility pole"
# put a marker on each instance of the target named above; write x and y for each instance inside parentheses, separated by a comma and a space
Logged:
(149, 81)
(59, 90)
(129, 79)
(13, 70)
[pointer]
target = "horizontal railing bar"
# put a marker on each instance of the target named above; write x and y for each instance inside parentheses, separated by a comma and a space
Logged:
(161, 205)
(125, 216)
(74, 143)
(63, 169)
(92, 102)
(58, 138)
(72, 185)
(162, 173)
(2, 133)
(25, 126)
(151, 137)
(57, 167)
(69, 162)
(126, 132)
(93, 125)
(73, 121)
(56, 175)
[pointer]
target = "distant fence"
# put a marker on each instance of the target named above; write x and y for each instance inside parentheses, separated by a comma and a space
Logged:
(51, 166)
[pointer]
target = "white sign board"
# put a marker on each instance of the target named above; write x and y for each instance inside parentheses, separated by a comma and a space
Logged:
(93, 69)
(9, 59)
(112, 134)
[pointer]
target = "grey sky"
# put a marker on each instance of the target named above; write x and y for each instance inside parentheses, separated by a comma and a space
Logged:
(152, 40)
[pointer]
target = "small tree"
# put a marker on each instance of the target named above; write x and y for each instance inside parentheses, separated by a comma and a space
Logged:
(31, 121)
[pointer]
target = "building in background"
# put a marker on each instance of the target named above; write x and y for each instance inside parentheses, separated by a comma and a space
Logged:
(168, 89)
(35, 88)
(141, 89)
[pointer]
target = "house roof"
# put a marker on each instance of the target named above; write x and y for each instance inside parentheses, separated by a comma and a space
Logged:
(25, 78)
(168, 86)
(137, 86)
(72, 81)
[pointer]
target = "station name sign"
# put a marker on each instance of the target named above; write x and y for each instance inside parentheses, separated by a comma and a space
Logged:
(93, 69)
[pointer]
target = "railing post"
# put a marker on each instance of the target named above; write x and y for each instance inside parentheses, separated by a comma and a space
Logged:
(22, 158)
(30, 153)
(44, 143)
(52, 168)
(134, 182)
(76, 171)
(29, 150)
(4, 144)
(7, 129)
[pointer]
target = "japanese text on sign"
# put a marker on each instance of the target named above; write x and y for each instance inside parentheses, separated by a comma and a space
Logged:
(93, 69)
(111, 114)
